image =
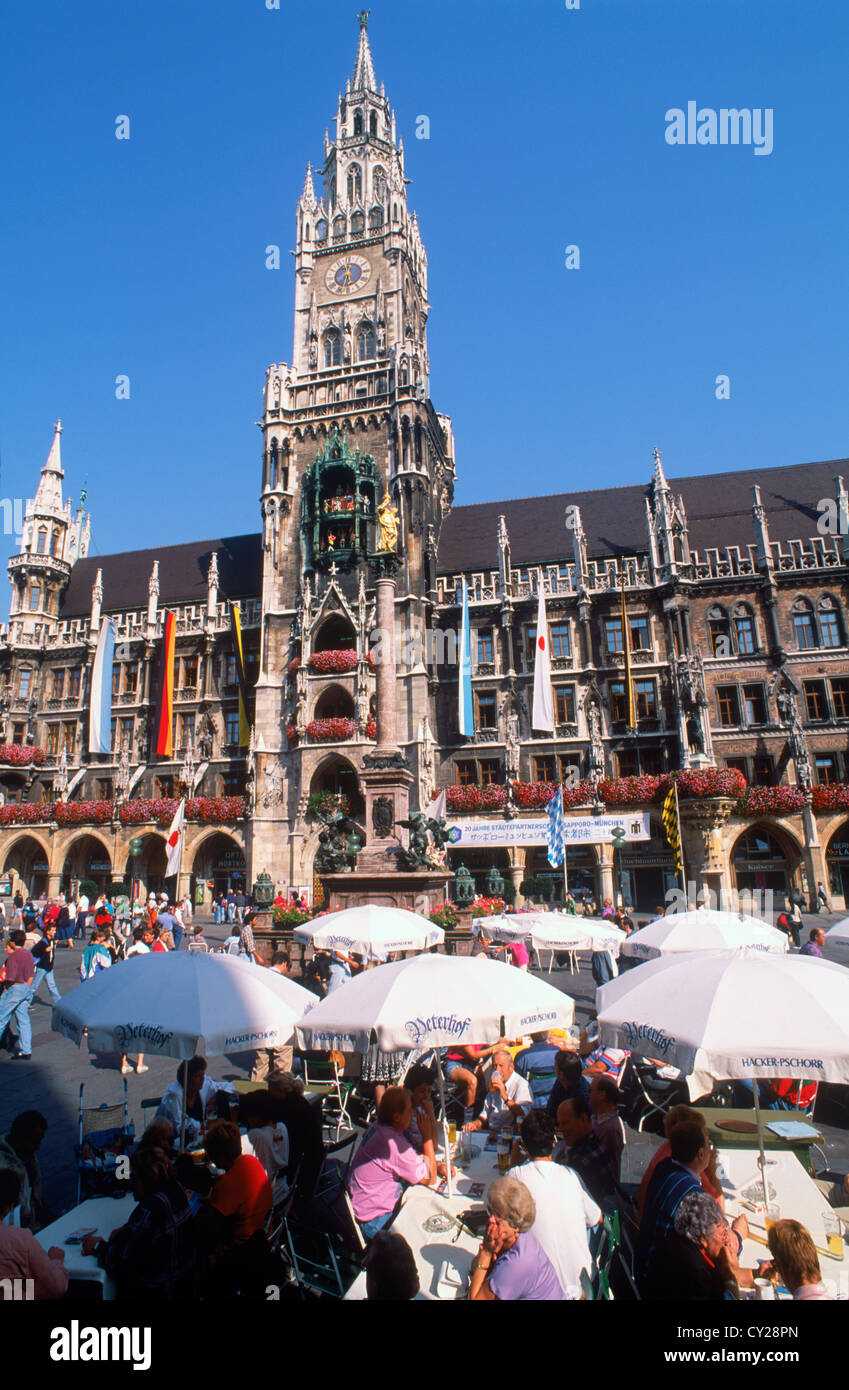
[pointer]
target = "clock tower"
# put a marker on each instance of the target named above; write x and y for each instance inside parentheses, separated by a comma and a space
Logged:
(347, 424)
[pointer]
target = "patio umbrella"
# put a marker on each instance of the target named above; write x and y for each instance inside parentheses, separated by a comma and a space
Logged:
(735, 1015)
(703, 930)
(554, 931)
(182, 1003)
(434, 1001)
(838, 936)
(371, 930)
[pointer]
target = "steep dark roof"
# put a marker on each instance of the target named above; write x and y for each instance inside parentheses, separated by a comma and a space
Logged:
(718, 505)
(182, 575)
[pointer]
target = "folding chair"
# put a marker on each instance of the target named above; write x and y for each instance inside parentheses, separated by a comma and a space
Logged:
(324, 1078)
(105, 1132)
(335, 1171)
(654, 1094)
(323, 1259)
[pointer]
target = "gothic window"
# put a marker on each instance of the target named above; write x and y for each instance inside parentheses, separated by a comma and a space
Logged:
(418, 442)
(339, 226)
(24, 678)
(55, 543)
(831, 634)
(618, 703)
(645, 698)
(395, 213)
(564, 704)
(613, 634)
(639, 634)
(35, 597)
(343, 109)
(366, 342)
(815, 701)
(355, 184)
(840, 697)
(560, 640)
(719, 631)
(754, 704)
(272, 464)
(306, 231)
(358, 224)
(59, 684)
(378, 187)
(42, 540)
(728, 705)
(358, 122)
(744, 630)
(485, 650)
(486, 709)
(372, 123)
(52, 740)
(804, 625)
(404, 373)
(332, 348)
(375, 219)
(321, 229)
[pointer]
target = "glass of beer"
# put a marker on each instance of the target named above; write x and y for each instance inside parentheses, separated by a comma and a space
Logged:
(503, 1153)
(833, 1235)
(772, 1213)
(452, 1134)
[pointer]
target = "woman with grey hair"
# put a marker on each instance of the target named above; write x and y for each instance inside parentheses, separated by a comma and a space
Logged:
(511, 1264)
(698, 1259)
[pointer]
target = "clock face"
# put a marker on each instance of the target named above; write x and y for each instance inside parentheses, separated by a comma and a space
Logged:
(347, 274)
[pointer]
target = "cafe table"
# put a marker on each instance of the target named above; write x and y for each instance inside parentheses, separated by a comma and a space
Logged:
(422, 1207)
(105, 1215)
(716, 1117)
(797, 1196)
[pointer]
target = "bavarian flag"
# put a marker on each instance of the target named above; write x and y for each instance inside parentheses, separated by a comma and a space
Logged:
(238, 653)
(669, 819)
(163, 732)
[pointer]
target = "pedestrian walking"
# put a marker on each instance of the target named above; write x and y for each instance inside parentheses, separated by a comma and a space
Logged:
(18, 978)
(43, 953)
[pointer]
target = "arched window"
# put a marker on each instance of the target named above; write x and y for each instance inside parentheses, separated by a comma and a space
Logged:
(719, 631)
(306, 231)
(403, 373)
(358, 224)
(321, 229)
(831, 627)
(355, 184)
(744, 629)
(375, 218)
(418, 443)
(366, 343)
(343, 108)
(372, 123)
(35, 597)
(339, 227)
(358, 122)
(332, 348)
(272, 464)
(42, 540)
(804, 625)
(378, 184)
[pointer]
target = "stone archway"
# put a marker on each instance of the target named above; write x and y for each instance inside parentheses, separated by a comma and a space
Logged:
(218, 865)
(86, 857)
(766, 858)
(335, 774)
(837, 864)
(148, 867)
(27, 861)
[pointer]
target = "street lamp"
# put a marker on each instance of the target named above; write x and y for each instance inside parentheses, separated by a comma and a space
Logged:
(617, 835)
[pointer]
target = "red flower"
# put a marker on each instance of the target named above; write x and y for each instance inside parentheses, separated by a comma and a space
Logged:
(333, 663)
(491, 798)
(21, 755)
(772, 801)
(331, 730)
(833, 798)
(371, 729)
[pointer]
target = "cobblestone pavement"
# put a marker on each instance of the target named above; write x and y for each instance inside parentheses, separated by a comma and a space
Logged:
(50, 1082)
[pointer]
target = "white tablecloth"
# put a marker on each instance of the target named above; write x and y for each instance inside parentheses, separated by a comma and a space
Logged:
(431, 1249)
(105, 1214)
(799, 1199)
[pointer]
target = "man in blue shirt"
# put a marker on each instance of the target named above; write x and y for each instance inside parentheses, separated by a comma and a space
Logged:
(671, 1180)
(539, 1058)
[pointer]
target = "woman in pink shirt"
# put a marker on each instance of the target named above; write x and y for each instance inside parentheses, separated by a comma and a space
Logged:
(794, 1260)
(21, 1256)
(385, 1160)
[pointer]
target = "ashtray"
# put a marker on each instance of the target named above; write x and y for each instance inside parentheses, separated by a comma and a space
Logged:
(436, 1225)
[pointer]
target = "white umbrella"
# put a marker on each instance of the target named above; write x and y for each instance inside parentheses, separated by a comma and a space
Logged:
(371, 930)
(703, 930)
(838, 936)
(554, 931)
(182, 1003)
(734, 1014)
(434, 1001)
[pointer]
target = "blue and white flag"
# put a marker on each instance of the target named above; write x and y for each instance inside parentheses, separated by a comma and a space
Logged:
(555, 829)
(100, 723)
(466, 713)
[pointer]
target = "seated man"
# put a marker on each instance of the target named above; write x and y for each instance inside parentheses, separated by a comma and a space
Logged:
(607, 1126)
(205, 1099)
(583, 1151)
(21, 1256)
(540, 1057)
(237, 1211)
(565, 1211)
(569, 1081)
(391, 1273)
(508, 1099)
(18, 1155)
(671, 1181)
(266, 1139)
(598, 1059)
(385, 1160)
(694, 1260)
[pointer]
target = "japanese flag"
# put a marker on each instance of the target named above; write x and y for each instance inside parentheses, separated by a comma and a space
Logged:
(543, 717)
(174, 843)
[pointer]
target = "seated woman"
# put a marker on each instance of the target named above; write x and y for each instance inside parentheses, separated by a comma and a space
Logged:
(511, 1264)
(302, 1121)
(205, 1099)
(154, 1255)
(464, 1069)
(385, 1160)
(235, 1214)
(266, 1139)
(794, 1260)
(423, 1128)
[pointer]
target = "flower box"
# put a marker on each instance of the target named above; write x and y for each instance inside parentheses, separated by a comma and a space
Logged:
(332, 663)
(492, 798)
(371, 729)
(82, 812)
(488, 907)
(331, 730)
(291, 734)
(833, 798)
(21, 755)
(628, 791)
(293, 667)
(711, 781)
(26, 812)
(771, 801)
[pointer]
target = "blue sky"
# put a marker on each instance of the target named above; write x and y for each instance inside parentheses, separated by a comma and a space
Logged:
(146, 256)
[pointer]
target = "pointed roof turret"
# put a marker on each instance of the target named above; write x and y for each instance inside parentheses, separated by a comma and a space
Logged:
(308, 197)
(659, 478)
(364, 67)
(49, 494)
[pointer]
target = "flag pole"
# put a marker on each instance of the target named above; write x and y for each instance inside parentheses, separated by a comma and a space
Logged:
(680, 845)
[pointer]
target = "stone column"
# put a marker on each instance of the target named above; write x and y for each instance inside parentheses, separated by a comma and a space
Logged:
(385, 675)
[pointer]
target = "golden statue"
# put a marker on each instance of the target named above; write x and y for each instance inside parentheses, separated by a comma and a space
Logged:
(387, 518)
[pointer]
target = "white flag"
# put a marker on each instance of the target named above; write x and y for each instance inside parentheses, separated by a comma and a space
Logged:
(436, 808)
(543, 717)
(174, 843)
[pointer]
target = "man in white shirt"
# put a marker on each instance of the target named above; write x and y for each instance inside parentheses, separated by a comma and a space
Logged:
(509, 1096)
(565, 1210)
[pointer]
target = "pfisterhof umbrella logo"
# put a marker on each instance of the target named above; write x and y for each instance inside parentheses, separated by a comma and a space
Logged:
(646, 1032)
(422, 1029)
(155, 1039)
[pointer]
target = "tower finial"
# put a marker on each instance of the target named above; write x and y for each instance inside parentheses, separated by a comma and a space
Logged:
(363, 18)
(364, 68)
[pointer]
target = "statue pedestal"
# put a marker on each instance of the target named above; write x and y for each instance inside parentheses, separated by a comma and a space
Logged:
(385, 885)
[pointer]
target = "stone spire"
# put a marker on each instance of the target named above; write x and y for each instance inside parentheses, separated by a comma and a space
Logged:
(363, 80)
(762, 528)
(48, 498)
(212, 586)
(153, 595)
(96, 600)
(308, 198)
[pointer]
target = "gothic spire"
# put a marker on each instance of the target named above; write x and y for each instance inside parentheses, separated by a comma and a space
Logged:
(364, 67)
(660, 483)
(49, 494)
(308, 197)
